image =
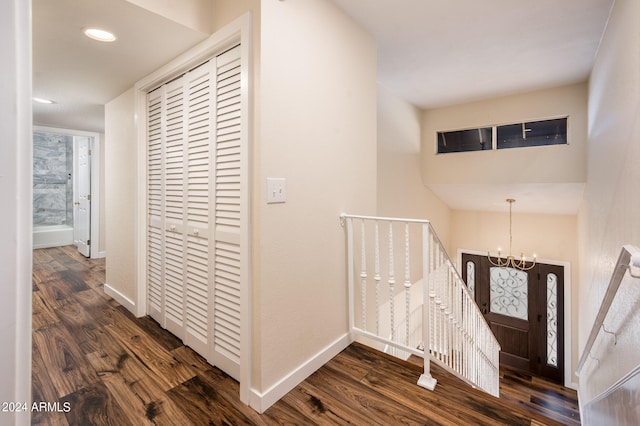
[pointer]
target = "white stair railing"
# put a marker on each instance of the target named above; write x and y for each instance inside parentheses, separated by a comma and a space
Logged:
(431, 304)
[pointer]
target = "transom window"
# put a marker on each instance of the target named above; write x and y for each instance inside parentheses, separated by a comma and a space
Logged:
(516, 135)
(465, 140)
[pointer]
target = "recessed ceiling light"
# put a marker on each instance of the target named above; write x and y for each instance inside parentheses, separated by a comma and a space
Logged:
(42, 100)
(100, 35)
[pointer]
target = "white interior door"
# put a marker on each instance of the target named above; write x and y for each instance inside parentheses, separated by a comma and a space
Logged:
(82, 194)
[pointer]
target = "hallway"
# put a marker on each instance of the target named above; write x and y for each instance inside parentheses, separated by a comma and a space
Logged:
(112, 368)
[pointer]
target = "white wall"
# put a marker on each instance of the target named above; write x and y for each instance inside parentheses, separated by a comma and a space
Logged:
(120, 198)
(610, 213)
(317, 103)
(16, 209)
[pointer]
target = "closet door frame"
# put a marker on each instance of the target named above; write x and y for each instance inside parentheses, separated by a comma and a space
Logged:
(237, 32)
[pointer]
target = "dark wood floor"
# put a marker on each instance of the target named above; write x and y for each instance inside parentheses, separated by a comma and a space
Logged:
(101, 365)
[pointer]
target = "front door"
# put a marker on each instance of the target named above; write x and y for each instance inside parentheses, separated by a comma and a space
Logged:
(524, 310)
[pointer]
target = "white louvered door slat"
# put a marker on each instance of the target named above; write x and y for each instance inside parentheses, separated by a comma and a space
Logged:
(228, 186)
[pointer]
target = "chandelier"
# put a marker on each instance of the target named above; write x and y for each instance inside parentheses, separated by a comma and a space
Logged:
(510, 261)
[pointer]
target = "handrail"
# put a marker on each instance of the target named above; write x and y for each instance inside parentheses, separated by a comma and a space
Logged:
(344, 216)
(629, 259)
(450, 329)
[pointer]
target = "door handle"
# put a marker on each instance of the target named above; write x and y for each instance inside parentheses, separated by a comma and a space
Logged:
(484, 308)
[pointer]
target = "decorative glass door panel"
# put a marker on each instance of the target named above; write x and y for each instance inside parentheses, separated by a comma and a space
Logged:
(471, 278)
(552, 319)
(509, 292)
(525, 312)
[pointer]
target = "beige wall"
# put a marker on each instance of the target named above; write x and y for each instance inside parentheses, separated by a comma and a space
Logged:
(557, 164)
(401, 192)
(551, 237)
(318, 130)
(120, 197)
(225, 11)
(610, 213)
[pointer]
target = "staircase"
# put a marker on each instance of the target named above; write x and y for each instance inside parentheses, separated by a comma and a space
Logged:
(407, 298)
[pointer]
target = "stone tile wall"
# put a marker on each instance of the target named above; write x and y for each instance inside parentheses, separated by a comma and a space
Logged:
(52, 179)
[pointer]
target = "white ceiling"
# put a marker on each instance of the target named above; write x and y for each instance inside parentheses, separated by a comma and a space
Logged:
(431, 53)
(81, 75)
(437, 53)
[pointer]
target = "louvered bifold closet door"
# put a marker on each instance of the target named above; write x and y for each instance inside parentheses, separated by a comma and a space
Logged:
(155, 205)
(229, 224)
(195, 208)
(198, 295)
(174, 211)
(180, 116)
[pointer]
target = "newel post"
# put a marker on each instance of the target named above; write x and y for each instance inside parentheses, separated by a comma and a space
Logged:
(426, 380)
(350, 273)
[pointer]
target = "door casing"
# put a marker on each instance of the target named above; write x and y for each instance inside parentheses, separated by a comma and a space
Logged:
(237, 32)
(96, 167)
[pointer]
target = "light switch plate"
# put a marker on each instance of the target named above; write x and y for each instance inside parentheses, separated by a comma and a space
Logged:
(276, 190)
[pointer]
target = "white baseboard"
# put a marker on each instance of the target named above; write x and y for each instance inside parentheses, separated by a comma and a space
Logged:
(99, 255)
(120, 298)
(261, 401)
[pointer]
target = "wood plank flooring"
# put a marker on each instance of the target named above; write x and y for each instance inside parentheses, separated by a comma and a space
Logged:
(107, 367)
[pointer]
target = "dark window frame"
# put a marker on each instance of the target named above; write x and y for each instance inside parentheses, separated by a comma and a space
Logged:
(467, 140)
(533, 133)
(524, 134)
